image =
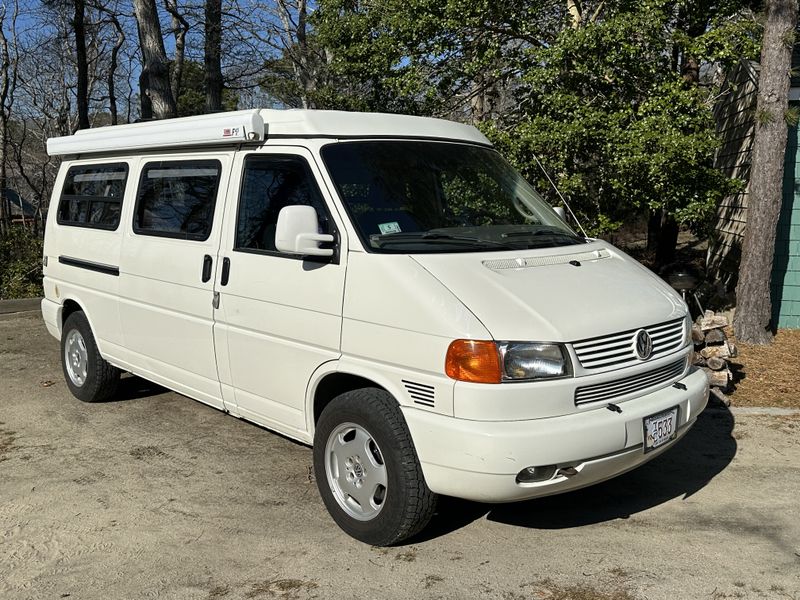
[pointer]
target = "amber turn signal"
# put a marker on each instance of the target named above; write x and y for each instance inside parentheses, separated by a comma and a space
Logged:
(474, 361)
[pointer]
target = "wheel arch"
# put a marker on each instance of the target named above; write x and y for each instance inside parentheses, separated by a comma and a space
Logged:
(334, 378)
(68, 307)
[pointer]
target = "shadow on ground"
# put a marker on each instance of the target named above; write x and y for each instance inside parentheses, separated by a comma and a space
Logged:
(700, 456)
(132, 387)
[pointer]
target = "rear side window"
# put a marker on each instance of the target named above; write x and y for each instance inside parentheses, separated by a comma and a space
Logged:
(177, 198)
(268, 184)
(92, 196)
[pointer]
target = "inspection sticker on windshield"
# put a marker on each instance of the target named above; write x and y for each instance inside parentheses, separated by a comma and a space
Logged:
(660, 428)
(391, 227)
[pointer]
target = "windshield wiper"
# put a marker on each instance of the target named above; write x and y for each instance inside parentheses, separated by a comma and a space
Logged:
(550, 232)
(431, 236)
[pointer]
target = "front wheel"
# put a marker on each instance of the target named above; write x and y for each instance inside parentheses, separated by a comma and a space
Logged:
(89, 377)
(367, 470)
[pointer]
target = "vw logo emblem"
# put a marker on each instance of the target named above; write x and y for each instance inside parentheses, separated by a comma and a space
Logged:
(644, 344)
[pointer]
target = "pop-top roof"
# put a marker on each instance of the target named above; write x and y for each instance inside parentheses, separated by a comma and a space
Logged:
(257, 125)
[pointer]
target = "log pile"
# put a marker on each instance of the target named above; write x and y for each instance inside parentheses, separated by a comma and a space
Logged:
(713, 352)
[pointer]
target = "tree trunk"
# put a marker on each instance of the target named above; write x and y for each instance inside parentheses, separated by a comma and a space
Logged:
(298, 53)
(112, 70)
(653, 232)
(662, 237)
(82, 83)
(667, 240)
(180, 27)
(5, 91)
(575, 13)
(154, 60)
(753, 305)
(145, 105)
(213, 50)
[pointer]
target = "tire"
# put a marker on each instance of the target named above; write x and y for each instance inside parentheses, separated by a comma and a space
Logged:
(361, 436)
(89, 377)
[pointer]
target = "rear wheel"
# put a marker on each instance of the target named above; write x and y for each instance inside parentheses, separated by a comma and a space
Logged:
(89, 376)
(367, 470)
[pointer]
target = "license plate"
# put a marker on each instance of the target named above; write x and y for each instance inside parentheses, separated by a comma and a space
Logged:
(660, 428)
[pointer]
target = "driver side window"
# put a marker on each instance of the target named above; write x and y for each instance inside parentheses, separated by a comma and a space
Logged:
(270, 183)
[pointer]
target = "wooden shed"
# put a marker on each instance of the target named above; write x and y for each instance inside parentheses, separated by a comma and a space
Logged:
(736, 124)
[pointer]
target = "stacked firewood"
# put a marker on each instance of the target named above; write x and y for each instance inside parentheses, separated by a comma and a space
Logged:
(713, 352)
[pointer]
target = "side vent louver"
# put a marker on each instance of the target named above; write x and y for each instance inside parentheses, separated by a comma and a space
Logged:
(421, 393)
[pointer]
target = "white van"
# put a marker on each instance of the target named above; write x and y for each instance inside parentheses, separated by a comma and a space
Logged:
(384, 287)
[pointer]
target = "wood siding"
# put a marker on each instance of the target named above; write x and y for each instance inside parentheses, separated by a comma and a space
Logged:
(735, 116)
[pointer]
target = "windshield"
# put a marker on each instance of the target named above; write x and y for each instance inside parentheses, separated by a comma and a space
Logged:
(423, 197)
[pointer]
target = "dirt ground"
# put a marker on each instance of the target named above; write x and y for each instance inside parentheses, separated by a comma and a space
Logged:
(158, 496)
(768, 375)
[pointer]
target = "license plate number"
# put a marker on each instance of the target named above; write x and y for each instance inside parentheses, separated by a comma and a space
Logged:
(660, 428)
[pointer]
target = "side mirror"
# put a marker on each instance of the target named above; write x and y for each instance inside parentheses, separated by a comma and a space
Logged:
(297, 232)
(561, 213)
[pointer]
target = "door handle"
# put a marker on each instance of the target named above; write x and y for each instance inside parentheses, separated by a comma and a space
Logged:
(226, 271)
(207, 264)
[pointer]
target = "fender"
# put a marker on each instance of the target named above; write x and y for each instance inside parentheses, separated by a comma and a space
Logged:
(71, 296)
(381, 376)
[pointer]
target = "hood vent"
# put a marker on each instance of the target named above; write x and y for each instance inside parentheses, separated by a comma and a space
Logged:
(420, 393)
(543, 261)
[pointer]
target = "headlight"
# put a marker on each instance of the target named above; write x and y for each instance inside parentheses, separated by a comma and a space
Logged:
(522, 360)
(688, 326)
(486, 361)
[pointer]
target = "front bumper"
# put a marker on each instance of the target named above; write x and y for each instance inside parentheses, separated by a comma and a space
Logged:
(479, 460)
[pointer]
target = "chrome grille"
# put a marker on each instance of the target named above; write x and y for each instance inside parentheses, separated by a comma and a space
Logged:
(619, 349)
(629, 385)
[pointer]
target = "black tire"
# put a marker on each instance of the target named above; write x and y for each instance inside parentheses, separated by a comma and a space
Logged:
(407, 505)
(101, 379)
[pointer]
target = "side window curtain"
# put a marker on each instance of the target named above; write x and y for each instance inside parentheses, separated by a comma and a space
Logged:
(270, 183)
(177, 198)
(92, 196)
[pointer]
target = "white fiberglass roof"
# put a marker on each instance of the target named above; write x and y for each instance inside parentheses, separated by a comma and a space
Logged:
(255, 126)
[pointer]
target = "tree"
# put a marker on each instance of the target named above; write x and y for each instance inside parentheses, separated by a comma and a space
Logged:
(8, 76)
(180, 27)
(607, 95)
(753, 305)
(82, 90)
(212, 55)
(192, 100)
(155, 80)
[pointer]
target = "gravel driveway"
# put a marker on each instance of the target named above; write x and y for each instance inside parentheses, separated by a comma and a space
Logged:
(156, 495)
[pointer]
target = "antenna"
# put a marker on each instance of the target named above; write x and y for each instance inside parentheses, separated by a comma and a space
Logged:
(564, 200)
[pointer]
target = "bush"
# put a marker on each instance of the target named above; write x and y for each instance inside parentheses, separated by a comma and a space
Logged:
(20, 264)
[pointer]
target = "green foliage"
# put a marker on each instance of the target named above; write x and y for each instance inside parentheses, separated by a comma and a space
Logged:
(20, 264)
(727, 39)
(192, 99)
(607, 105)
(281, 82)
(765, 117)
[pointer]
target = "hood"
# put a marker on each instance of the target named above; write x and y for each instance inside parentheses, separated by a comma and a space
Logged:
(556, 294)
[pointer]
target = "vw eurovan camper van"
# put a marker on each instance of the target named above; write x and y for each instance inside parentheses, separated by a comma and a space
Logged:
(385, 288)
